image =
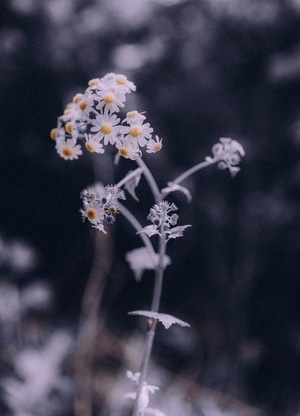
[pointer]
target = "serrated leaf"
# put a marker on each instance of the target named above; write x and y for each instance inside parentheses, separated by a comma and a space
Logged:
(165, 319)
(150, 230)
(176, 232)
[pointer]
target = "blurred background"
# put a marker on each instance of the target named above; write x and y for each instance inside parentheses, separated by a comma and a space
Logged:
(204, 69)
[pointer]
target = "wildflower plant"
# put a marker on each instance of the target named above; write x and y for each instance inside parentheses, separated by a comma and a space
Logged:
(93, 121)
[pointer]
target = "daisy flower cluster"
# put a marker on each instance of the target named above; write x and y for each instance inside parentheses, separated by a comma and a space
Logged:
(100, 204)
(91, 121)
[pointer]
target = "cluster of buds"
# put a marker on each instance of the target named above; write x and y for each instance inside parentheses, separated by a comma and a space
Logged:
(100, 205)
(164, 221)
(229, 152)
(91, 119)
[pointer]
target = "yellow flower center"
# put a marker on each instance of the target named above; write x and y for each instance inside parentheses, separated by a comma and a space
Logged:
(68, 127)
(94, 81)
(67, 151)
(108, 98)
(112, 209)
(89, 147)
(77, 98)
(124, 152)
(91, 213)
(120, 80)
(157, 147)
(135, 131)
(106, 128)
(53, 134)
(82, 104)
(132, 113)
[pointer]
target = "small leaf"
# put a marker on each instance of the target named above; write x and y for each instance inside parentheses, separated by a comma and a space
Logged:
(165, 319)
(132, 184)
(150, 230)
(141, 259)
(176, 232)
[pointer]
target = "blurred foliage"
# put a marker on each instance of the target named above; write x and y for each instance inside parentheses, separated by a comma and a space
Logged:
(203, 70)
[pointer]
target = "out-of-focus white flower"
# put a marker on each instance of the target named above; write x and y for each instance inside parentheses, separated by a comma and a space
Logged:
(140, 259)
(38, 296)
(40, 374)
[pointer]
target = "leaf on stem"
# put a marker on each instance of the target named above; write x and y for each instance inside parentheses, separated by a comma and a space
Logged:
(131, 185)
(176, 232)
(165, 319)
(141, 259)
(150, 230)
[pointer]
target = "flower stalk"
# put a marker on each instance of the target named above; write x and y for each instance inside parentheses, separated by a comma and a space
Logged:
(91, 121)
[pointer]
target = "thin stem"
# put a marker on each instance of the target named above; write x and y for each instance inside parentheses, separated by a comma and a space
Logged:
(194, 169)
(150, 179)
(137, 226)
(129, 176)
(159, 273)
(151, 332)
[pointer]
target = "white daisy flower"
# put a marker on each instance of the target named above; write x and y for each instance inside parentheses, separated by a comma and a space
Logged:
(137, 133)
(67, 148)
(134, 117)
(154, 146)
(84, 108)
(93, 145)
(128, 150)
(106, 127)
(111, 99)
(94, 213)
(123, 83)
